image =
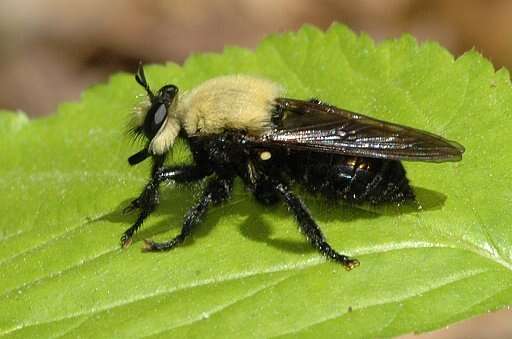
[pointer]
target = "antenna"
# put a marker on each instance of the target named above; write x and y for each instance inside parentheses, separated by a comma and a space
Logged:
(140, 77)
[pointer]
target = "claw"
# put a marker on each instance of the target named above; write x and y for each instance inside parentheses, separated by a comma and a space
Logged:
(350, 264)
(126, 241)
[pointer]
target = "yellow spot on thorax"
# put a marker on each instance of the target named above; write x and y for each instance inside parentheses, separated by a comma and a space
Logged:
(265, 155)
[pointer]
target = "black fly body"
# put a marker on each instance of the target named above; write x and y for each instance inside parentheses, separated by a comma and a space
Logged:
(241, 126)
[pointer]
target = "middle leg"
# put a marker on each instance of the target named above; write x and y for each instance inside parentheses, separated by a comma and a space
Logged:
(217, 190)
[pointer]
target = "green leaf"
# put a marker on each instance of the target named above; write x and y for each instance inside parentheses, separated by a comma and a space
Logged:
(247, 271)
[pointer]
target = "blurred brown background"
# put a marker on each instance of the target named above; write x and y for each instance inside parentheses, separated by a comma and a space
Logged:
(53, 49)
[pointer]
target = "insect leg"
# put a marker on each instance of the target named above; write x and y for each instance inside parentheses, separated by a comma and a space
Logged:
(216, 191)
(150, 196)
(309, 227)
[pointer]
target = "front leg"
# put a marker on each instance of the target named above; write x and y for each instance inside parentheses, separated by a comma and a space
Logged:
(179, 174)
(150, 196)
(309, 227)
(217, 190)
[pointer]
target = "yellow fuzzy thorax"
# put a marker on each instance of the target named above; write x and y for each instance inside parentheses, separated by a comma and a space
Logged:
(228, 102)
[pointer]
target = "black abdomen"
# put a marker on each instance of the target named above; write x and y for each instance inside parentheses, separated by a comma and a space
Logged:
(355, 179)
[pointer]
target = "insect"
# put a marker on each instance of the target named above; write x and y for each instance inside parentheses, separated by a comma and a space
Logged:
(241, 126)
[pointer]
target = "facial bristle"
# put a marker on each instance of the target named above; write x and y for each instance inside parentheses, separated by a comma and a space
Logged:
(134, 126)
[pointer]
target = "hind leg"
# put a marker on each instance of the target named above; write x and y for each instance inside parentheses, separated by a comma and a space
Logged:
(309, 227)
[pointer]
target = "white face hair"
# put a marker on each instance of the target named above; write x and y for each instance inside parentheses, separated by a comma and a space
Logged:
(227, 102)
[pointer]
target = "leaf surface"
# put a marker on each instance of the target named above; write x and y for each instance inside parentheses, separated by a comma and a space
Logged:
(247, 271)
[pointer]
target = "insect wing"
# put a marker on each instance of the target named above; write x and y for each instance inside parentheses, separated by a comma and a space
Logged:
(319, 127)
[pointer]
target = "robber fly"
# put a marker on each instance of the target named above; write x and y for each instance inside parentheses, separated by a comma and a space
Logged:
(242, 126)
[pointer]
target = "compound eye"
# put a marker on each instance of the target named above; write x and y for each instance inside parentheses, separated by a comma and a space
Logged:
(160, 115)
(154, 119)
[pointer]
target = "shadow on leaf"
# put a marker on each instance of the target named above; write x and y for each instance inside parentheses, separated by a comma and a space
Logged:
(257, 229)
(175, 203)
